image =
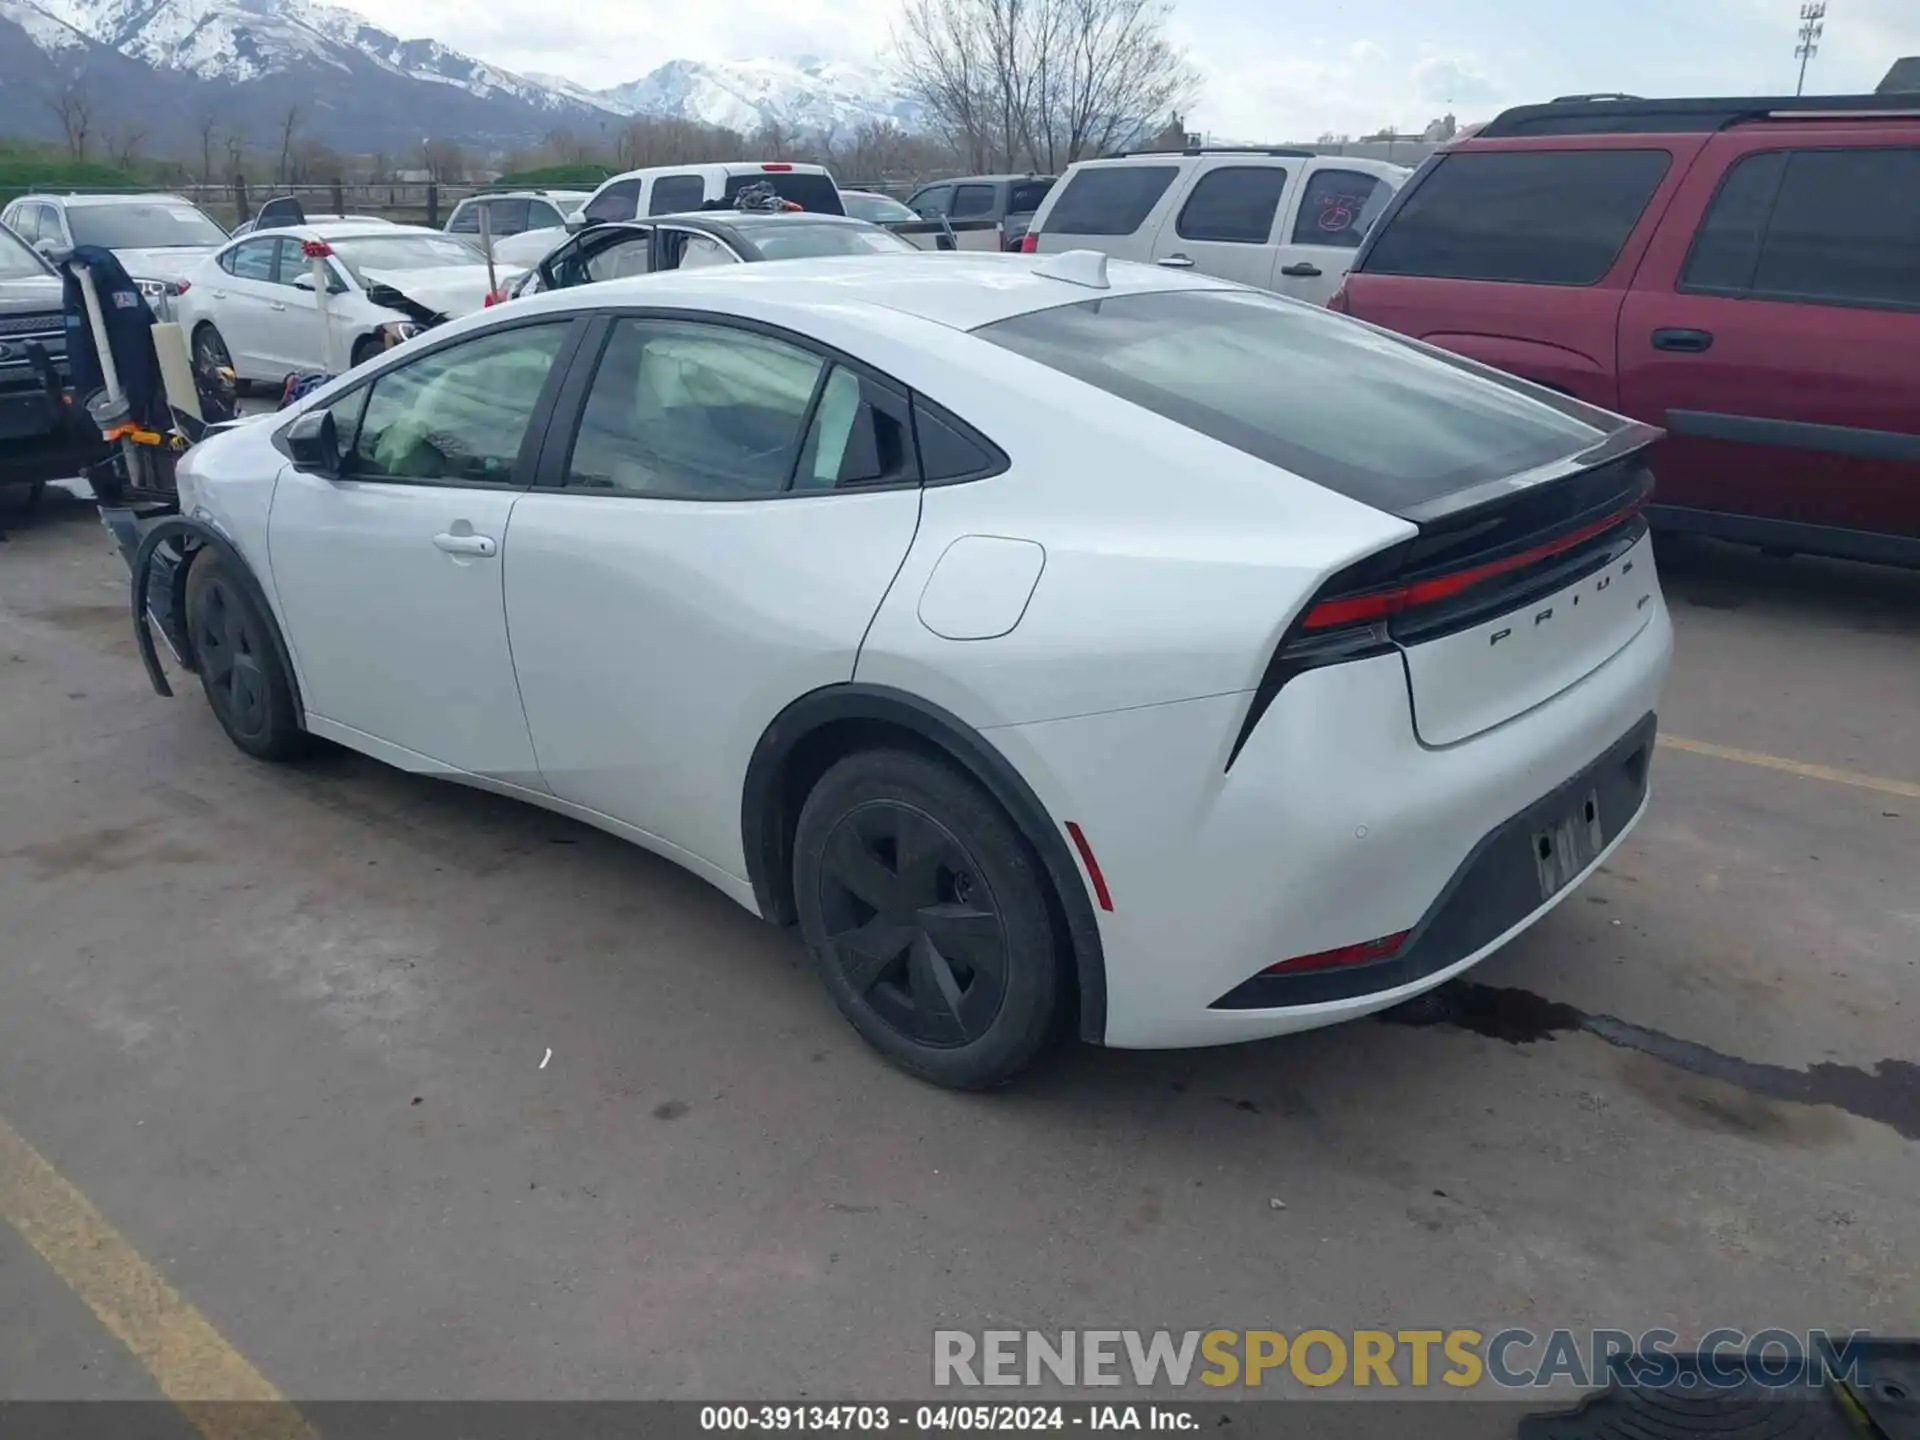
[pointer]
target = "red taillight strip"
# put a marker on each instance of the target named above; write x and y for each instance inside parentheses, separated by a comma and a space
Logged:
(1384, 948)
(1379, 604)
(1093, 866)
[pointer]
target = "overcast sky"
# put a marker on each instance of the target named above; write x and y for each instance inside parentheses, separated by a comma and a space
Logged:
(1273, 69)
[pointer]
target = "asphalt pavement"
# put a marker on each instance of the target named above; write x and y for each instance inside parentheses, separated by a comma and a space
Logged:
(274, 1062)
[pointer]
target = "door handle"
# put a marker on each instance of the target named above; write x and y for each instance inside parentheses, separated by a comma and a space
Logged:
(1175, 262)
(218, 294)
(1687, 342)
(481, 545)
(275, 304)
(1302, 270)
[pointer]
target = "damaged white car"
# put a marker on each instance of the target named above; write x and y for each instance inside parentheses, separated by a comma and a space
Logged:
(253, 306)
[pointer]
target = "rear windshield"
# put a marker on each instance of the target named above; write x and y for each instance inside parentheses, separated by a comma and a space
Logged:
(1299, 387)
(797, 238)
(1540, 217)
(1024, 196)
(810, 190)
(1108, 199)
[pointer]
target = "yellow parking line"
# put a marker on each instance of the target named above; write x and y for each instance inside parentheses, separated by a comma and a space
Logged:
(1908, 788)
(189, 1360)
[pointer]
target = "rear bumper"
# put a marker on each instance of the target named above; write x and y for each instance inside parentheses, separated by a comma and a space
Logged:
(1335, 826)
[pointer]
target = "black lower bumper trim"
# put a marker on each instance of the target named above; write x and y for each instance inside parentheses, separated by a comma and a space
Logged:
(1495, 888)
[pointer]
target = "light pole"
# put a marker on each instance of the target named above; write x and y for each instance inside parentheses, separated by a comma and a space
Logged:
(1812, 16)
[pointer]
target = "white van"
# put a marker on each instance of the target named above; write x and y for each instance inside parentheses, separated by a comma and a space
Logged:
(1285, 220)
(676, 189)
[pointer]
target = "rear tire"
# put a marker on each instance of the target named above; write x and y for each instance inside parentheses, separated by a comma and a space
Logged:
(926, 911)
(240, 670)
(210, 354)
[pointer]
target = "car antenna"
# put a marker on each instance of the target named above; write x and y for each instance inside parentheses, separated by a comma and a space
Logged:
(1076, 267)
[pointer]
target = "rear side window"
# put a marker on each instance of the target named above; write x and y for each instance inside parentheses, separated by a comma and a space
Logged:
(1726, 249)
(1234, 204)
(676, 194)
(1109, 199)
(506, 217)
(1024, 196)
(1340, 404)
(619, 201)
(972, 202)
(1534, 217)
(1845, 229)
(810, 190)
(1339, 208)
(466, 220)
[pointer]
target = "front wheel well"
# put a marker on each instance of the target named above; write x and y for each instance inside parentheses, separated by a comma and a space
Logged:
(819, 730)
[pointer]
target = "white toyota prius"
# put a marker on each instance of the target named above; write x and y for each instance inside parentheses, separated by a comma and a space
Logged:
(1064, 646)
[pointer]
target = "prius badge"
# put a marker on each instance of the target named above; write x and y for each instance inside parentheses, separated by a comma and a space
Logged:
(1600, 583)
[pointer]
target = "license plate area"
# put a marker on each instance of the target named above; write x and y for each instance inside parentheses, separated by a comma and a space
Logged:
(1568, 846)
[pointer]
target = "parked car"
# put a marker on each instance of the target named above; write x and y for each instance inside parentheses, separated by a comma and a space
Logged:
(618, 249)
(1010, 201)
(1744, 273)
(875, 208)
(251, 306)
(857, 587)
(156, 237)
(36, 445)
(1284, 220)
(515, 212)
(675, 189)
(247, 227)
(937, 233)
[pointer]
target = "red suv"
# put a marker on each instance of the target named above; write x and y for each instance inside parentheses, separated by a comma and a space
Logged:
(1743, 273)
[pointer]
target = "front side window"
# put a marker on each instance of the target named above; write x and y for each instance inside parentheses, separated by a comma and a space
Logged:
(618, 201)
(1235, 204)
(631, 255)
(466, 219)
(695, 411)
(932, 204)
(971, 202)
(542, 216)
(1339, 207)
(1536, 217)
(1337, 403)
(677, 194)
(24, 221)
(18, 261)
(252, 260)
(689, 250)
(1109, 199)
(506, 217)
(458, 415)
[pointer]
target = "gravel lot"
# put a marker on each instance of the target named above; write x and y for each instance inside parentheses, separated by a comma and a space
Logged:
(283, 1029)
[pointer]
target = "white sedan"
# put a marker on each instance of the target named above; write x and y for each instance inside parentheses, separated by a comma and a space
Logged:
(1062, 645)
(252, 305)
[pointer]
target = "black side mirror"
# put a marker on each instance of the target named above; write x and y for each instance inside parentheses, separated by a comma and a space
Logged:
(314, 443)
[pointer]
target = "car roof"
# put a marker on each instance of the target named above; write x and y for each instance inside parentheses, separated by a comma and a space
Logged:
(720, 167)
(156, 197)
(959, 289)
(986, 179)
(529, 195)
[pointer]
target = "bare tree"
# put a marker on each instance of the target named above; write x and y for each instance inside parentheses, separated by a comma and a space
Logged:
(1042, 83)
(443, 160)
(567, 148)
(289, 127)
(124, 139)
(206, 125)
(75, 108)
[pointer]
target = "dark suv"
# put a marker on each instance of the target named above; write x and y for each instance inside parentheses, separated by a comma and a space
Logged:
(36, 442)
(1008, 200)
(1744, 273)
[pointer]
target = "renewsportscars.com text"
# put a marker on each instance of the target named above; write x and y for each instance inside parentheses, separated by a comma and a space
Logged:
(1459, 1359)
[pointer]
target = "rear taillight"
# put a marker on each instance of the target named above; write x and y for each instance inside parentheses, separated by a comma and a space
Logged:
(1340, 611)
(180, 287)
(1367, 951)
(1030, 244)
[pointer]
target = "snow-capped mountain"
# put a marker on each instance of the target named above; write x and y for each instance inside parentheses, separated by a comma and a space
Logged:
(805, 93)
(355, 85)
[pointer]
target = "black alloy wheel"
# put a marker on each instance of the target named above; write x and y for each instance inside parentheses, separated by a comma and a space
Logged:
(916, 934)
(928, 915)
(240, 669)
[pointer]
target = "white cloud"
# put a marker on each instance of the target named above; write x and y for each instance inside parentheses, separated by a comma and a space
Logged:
(1454, 80)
